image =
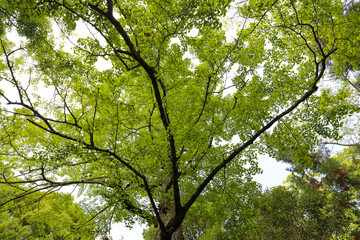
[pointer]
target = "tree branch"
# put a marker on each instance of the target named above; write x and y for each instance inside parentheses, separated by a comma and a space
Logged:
(313, 88)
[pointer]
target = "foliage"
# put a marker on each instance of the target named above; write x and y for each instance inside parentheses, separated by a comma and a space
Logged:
(42, 215)
(321, 202)
(222, 214)
(175, 103)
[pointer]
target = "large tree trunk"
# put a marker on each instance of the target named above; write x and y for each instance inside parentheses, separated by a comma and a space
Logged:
(177, 235)
(166, 214)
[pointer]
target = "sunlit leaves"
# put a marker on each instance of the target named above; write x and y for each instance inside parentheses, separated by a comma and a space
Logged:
(175, 103)
(42, 215)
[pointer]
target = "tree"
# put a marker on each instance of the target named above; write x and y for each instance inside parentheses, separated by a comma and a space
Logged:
(320, 202)
(149, 136)
(41, 215)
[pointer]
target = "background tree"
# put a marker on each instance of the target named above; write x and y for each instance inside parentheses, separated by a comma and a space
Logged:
(320, 202)
(42, 215)
(149, 136)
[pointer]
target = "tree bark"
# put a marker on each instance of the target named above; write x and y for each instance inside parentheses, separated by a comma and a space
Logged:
(167, 212)
(177, 235)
